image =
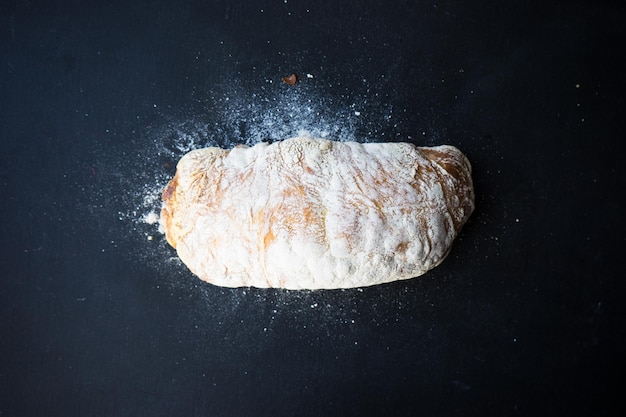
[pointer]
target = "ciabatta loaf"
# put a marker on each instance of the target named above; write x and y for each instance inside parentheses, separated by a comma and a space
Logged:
(310, 213)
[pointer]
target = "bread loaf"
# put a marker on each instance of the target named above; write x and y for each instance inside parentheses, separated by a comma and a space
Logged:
(310, 213)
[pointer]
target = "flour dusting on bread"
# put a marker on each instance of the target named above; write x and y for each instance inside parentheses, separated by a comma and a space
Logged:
(308, 213)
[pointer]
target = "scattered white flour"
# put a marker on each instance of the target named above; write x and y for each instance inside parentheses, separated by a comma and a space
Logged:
(151, 218)
(129, 180)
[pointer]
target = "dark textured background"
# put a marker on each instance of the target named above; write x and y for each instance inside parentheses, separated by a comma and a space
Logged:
(523, 318)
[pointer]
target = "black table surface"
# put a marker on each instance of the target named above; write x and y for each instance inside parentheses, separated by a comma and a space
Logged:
(99, 100)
